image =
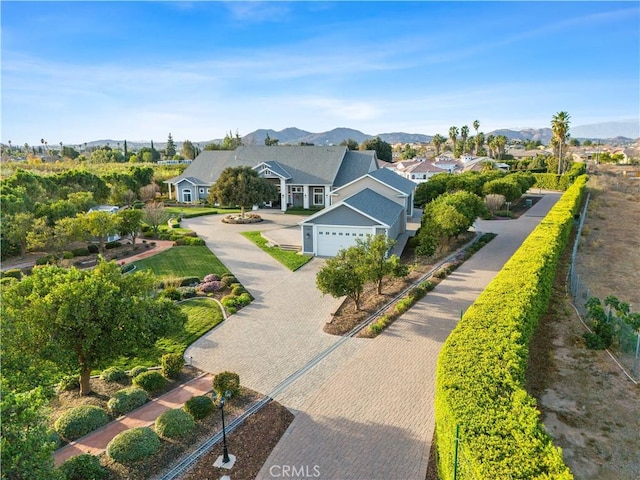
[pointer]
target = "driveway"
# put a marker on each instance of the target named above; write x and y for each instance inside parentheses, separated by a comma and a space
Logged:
(364, 410)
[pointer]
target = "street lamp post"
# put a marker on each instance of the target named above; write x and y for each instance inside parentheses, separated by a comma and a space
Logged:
(225, 460)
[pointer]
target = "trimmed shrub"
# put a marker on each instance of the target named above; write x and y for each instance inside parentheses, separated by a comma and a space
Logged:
(228, 279)
(79, 421)
(481, 367)
(80, 252)
(172, 364)
(187, 292)
(231, 310)
(226, 381)
(238, 290)
(199, 407)
(189, 281)
(111, 245)
(68, 383)
(46, 259)
(243, 300)
(54, 438)
(12, 273)
(151, 381)
(210, 287)
(228, 301)
(114, 374)
(171, 293)
(174, 423)
(135, 371)
(83, 467)
(126, 400)
(212, 277)
(133, 444)
(67, 255)
(93, 248)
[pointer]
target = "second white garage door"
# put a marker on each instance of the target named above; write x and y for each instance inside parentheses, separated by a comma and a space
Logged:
(330, 240)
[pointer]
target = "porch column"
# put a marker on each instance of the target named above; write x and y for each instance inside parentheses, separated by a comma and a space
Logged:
(283, 195)
(169, 184)
(327, 197)
(305, 196)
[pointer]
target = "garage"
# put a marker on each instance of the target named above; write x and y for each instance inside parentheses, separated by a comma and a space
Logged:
(330, 239)
(339, 226)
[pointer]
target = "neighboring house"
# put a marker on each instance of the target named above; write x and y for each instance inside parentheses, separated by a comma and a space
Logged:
(376, 203)
(480, 165)
(303, 175)
(448, 163)
(418, 171)
(108, 209)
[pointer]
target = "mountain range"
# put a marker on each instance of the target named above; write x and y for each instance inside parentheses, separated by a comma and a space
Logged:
(625, 131)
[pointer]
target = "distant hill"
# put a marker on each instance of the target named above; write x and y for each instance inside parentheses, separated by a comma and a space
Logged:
(625, 131)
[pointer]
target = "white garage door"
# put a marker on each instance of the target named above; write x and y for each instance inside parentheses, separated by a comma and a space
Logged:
(331, 239)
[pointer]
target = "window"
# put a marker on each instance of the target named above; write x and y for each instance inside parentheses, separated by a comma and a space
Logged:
(296, 189)
(202, 190)
(186, 195)
(318, 196)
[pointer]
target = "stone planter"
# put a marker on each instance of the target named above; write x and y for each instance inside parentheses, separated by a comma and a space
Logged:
(237, 219)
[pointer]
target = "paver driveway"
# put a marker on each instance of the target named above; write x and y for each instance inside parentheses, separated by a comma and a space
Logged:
(366, 410)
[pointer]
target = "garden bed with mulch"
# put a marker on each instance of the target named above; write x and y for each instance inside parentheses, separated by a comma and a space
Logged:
(346, 318)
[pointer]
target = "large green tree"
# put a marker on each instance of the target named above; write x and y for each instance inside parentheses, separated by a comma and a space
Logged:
(18, 227)
(83, 319)
(350, 143)
(188, 151)
(453, 135)
(25, 443)
(98, 225)
(129, 223)
(243, 187)
(170, 149)
(383, 149)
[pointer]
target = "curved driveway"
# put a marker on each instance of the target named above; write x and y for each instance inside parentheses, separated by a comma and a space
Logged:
(366, 410)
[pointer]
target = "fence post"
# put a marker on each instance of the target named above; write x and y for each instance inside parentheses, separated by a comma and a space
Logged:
(635, 360)
(455, 454)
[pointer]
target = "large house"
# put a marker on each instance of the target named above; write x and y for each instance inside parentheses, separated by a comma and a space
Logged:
(416, 170)
(303, 175)
(355, 197)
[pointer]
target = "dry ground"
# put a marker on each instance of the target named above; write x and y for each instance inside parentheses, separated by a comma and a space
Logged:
(589, 407)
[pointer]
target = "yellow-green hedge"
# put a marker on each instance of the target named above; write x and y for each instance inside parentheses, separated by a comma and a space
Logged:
(481, 368)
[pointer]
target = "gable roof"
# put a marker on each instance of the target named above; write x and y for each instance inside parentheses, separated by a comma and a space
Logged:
(368, 203)
(355, 164)
(394, 180)
(276, 168)
(303, 164)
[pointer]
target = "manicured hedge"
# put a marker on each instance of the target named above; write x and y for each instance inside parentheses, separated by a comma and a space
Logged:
(126, 400)
(151, 381)
(174, 423)
(553, 181)
(133, 444)
(83, 467)
(79, 421)
(481, 368)
(199, 407)
(114, 374)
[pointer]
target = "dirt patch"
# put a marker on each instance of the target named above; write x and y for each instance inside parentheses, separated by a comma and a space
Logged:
(589, 407)
(251, 443)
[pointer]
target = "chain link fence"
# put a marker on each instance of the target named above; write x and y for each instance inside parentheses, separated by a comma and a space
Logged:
(626, 344)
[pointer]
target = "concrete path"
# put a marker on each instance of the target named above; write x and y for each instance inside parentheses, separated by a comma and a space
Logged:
(373, 418)
(96, 442)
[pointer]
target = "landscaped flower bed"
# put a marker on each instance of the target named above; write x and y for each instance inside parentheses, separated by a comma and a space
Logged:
(239, 219)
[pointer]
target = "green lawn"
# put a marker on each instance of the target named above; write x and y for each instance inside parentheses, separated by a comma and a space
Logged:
(291, 260)
(183, 261)
(203, 314)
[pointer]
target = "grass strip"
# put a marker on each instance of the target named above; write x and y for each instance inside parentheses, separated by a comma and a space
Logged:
(292, 260)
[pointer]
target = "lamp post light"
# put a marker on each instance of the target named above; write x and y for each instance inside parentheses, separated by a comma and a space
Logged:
(225, 460)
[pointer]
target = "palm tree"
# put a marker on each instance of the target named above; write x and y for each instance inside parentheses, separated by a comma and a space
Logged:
(464, 133)
(437, 141)
(501, 142)
(560, 128)
(476, 126)
(453, 135)
(490, 143)
(479, 138)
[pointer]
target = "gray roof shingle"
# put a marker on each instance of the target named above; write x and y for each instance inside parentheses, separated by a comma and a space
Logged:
(394, 180)
(355, 165)
(375, 205)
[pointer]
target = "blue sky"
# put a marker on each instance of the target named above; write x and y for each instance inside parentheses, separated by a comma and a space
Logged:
(82, 71)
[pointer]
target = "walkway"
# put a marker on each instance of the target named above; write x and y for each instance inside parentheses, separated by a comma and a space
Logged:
(374, 417)
(96, 442)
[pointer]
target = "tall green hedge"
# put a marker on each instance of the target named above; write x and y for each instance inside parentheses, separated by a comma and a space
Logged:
(481, 368)
(553, 181)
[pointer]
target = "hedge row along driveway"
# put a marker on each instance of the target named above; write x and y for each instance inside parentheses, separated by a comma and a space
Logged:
(481, 368)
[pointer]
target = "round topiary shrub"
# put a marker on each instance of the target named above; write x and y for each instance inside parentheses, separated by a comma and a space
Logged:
(244, 299)
(83, 467)
(79, 421)
(114, 374)
(126, 400)
(227, 280)
(68, 383)
(93, 248)
(228, 301)
(226, 381)
(152, 381)
(238, 290)
(199, 407)
(12, 273)
(172, 364)
(133, 444)
(174, 423)
(135, 371)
